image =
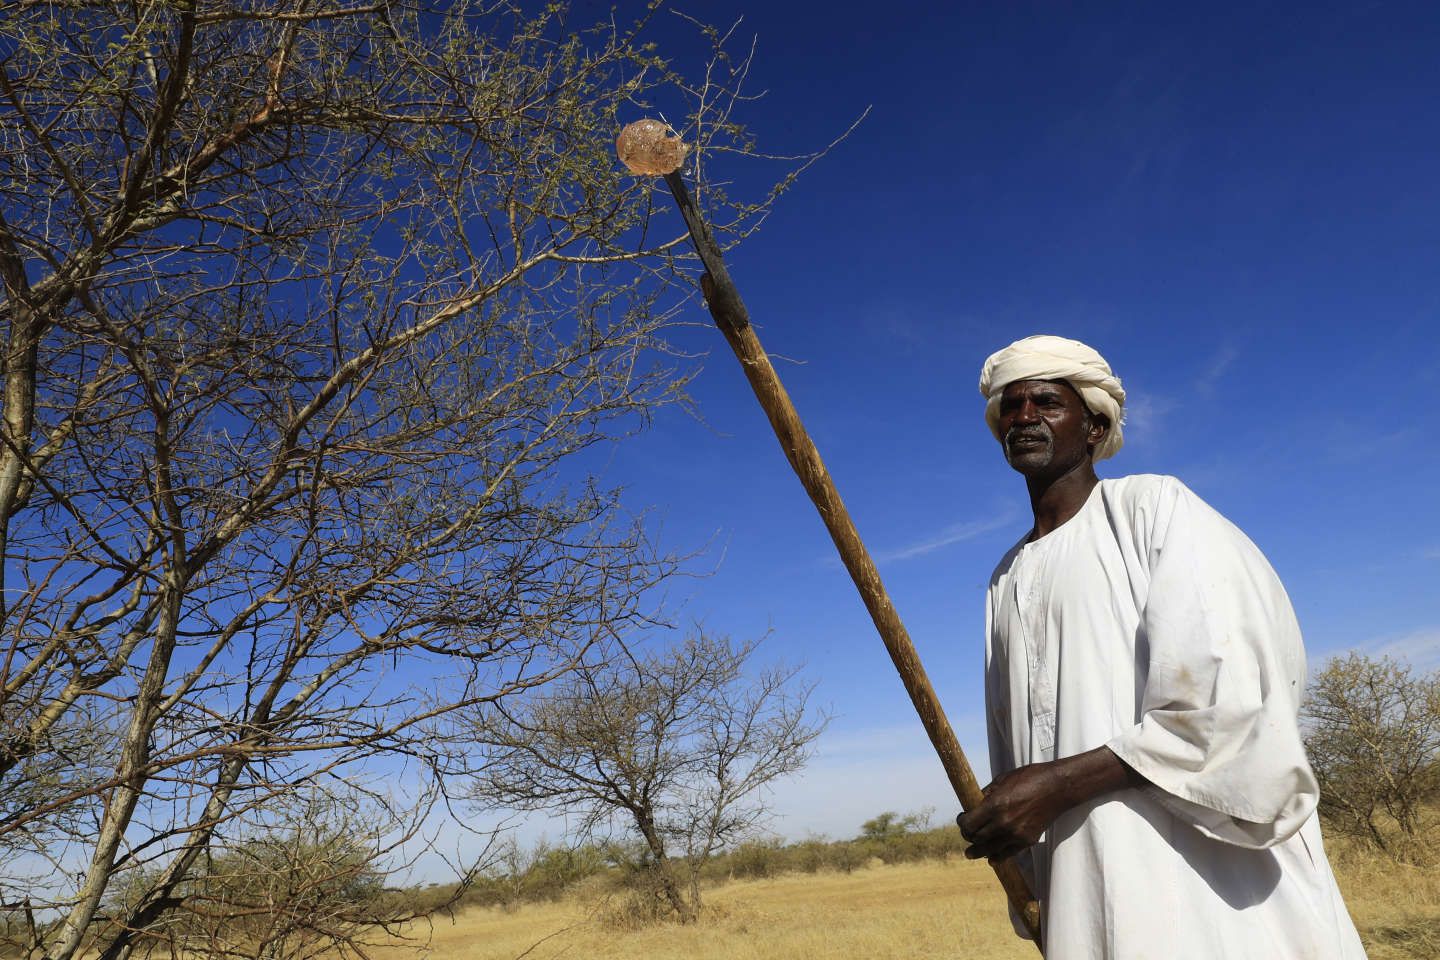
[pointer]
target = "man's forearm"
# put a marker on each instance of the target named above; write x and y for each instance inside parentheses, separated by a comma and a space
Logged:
(1092, 774)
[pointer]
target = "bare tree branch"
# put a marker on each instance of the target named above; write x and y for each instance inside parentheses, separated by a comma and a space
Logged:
(311, 312)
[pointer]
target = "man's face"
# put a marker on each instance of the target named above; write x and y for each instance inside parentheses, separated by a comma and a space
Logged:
(1045, 428)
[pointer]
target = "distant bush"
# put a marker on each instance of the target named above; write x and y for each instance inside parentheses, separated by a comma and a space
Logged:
(758, 858)
(617, 879)
(553, 871)
(892, 838)
(811, 855)
(889, 838)
(891, 825)
(848, 855)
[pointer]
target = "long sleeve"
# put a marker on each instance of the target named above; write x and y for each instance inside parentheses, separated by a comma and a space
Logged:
(1224, 668)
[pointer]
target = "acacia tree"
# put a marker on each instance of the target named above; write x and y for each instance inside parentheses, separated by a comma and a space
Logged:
(305, 307)
(672, 747)
(1372, 732)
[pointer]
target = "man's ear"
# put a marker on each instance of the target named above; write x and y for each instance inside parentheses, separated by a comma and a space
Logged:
(1099, 429)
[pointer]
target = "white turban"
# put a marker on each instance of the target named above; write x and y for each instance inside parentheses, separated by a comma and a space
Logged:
(1056, 358)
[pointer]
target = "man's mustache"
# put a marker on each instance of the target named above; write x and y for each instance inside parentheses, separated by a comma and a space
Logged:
(1027, 433)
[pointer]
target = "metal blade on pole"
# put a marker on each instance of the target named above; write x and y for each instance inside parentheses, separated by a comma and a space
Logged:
(730, 315)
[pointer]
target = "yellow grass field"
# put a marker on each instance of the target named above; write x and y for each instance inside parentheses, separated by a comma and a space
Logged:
(924, 910)
(1395, 905)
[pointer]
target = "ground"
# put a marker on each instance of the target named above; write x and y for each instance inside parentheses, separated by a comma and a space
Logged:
(951, 908)
(923, 910)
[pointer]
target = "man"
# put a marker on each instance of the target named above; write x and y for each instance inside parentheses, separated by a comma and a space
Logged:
(1143, 673)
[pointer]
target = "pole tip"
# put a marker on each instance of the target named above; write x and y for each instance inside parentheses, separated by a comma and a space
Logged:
(650, 148)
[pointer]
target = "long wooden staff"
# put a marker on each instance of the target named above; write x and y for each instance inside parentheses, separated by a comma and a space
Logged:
(645, 148)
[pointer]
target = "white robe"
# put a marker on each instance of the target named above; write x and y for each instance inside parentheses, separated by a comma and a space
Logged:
(1150, 624)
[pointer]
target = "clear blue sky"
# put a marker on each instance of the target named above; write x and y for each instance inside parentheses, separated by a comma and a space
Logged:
(1239, 205)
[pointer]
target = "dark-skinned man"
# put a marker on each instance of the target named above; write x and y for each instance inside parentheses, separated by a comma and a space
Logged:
(1143, 672)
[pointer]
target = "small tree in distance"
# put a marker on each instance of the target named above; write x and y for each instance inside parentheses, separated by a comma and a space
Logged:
(890, 825)
(1373, 736)
(673, 747)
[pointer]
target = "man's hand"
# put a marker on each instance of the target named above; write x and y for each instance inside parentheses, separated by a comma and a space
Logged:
(1021, 804)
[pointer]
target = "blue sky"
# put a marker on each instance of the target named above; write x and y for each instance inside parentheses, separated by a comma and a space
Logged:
(1238, 205)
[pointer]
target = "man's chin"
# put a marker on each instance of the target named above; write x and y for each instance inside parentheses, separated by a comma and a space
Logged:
(1044, 465)
(1030, 462)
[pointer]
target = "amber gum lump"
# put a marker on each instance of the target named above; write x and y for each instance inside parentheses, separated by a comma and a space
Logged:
(651, 148)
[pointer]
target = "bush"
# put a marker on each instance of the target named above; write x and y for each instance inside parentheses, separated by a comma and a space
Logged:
(554, 870)
(847, 855)
(1372, 731)
(812, 854)
(895, 839)
(757, 858)
(307, 880)
(621, 879)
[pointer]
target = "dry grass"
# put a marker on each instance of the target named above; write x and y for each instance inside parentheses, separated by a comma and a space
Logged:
(919, 910)
(1395, 905)
(923, 910)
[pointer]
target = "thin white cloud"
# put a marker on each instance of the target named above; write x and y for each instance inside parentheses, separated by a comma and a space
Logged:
(1351, 441)
(1419, 648)
(1211, 373)
(1144, 413)
(953, 534)
(834, 799)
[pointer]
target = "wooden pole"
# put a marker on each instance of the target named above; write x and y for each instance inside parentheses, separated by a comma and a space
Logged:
(730, 315)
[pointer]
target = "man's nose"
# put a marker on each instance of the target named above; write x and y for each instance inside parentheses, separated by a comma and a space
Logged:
(1027, 412)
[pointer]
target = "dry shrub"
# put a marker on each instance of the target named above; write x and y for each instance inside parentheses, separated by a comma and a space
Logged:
(850, 855)
(812, 854)
(757, 859)
(1372, 732)
(641, 905)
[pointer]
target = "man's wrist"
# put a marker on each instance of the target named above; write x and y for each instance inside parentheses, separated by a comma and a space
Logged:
(1092, 774)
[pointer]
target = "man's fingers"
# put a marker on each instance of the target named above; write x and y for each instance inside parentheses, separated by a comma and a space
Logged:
(987, 849)
(990, 834)
(982, 835)
(1007, 821)
(991, 837)
(967, 819)
(992, 848)
(973, 822)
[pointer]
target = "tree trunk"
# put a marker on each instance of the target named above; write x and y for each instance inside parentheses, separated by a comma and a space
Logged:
(665, 870)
